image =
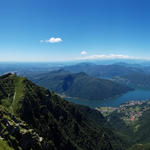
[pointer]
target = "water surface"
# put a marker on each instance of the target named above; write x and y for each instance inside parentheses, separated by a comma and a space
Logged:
(137, 94)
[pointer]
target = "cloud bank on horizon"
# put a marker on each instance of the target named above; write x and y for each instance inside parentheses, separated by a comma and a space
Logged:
(52, 40)
(109, 56)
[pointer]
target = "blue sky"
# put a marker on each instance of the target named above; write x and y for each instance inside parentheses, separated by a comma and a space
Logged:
(60, 30)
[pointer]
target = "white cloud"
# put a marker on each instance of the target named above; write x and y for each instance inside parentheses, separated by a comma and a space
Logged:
(83, 53)
(52, 40)
(110, 56)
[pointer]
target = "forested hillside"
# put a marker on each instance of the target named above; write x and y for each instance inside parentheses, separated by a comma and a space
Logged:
(136, 80)
(34, 118)
(80, 85)
(132, 120)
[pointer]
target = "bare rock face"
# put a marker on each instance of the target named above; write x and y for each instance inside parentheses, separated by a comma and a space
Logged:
(17, 133)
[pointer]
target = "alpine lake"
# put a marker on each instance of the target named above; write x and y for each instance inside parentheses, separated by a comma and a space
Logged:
(137, 94)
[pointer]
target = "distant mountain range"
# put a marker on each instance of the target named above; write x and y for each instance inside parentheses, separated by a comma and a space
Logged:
(33, 118)
(104, 70)
(79, 85)
(95, 70)
(135, 80)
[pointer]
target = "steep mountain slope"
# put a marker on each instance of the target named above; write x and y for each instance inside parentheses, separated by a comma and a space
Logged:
(16, 134)
(140, 147)
(34, 118)
(133, 120)
(103, 70)
(137, 80)
(80, 85)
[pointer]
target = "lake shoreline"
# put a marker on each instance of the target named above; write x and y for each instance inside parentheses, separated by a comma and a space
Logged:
(135, 95)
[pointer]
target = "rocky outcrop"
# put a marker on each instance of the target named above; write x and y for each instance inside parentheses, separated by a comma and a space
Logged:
(17, 133)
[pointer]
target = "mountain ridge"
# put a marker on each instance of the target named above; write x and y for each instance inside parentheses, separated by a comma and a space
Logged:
(80, 85)
(58, 123)
(110, 70)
